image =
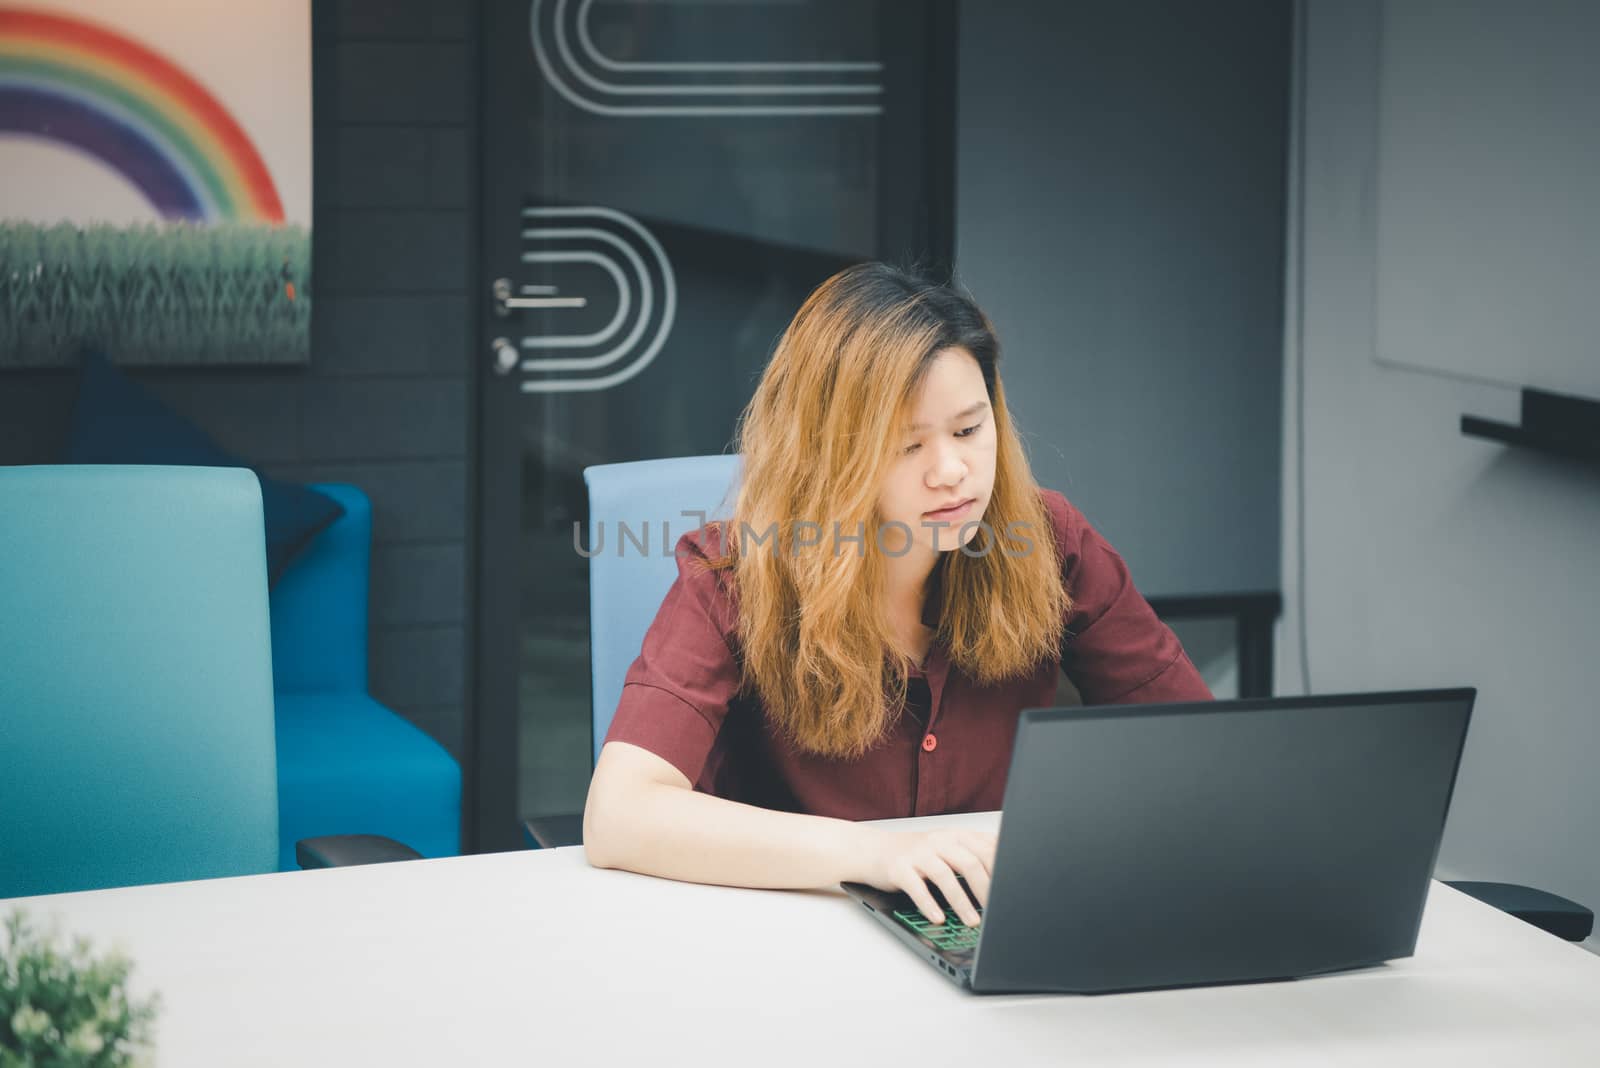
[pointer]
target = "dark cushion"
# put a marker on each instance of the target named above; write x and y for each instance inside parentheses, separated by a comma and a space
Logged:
(117, 421)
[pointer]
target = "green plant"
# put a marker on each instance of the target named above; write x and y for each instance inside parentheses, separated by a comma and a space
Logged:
(65, 1006)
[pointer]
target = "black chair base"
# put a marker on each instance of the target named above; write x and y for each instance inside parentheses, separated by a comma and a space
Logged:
(1548, 912)
(552, 832)
(343, 850)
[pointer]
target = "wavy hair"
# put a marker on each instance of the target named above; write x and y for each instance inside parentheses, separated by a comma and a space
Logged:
(817, 439)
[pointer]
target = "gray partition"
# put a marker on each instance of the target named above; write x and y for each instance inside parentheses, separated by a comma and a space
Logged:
(1120, 213)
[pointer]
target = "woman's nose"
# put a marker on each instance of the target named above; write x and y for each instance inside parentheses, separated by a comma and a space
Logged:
(948, 468)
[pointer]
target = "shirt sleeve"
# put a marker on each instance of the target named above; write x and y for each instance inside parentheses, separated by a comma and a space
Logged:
(676, 692)
(1115, 649)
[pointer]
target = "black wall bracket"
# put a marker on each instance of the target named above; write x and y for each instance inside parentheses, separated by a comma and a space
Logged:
(1551, 422)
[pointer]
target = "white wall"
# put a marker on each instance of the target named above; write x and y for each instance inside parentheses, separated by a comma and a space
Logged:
(1430, 558)
(1490, 163)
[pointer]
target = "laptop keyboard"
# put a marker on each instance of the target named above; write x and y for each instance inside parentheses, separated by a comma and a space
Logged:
(952, 934)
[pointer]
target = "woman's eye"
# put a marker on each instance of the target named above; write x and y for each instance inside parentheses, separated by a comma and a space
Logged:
(909, 449)
(969, 431)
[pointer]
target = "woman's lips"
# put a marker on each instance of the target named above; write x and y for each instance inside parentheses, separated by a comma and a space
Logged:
(950, 513)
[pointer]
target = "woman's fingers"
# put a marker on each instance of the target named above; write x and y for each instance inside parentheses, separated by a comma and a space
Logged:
(944, 877)
(917, 889)
(938, 858)
(973, 869)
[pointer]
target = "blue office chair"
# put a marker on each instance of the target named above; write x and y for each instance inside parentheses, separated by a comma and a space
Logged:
(626, 588)
(136, 705)
(346, 761)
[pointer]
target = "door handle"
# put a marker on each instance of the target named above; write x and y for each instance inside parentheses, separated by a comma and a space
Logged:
(505, 303)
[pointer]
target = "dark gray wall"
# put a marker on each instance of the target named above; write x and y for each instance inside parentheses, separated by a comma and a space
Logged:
(386, 402)
(1120, 204)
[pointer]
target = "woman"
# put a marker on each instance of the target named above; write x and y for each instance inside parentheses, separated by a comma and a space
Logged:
(857, 641)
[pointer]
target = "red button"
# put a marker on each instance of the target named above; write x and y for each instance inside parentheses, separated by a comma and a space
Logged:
(930, 742)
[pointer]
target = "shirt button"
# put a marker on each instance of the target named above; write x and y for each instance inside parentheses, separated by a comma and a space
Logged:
(930, 742)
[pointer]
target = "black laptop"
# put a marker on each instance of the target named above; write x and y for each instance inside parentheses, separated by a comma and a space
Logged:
(1148, 846)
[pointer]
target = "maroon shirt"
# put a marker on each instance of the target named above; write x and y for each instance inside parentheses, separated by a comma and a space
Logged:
(948, 752)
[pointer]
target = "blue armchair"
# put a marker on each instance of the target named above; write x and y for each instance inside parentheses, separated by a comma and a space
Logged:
(136, 709)
(346, 763)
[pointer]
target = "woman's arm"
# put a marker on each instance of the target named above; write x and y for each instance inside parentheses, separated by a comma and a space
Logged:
(642, 815)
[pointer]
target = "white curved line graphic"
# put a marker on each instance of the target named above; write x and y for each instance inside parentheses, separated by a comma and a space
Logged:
(646, 302)
(578, 100)
(669, 304)
(574, 341)
(689, 90)
(602, 60)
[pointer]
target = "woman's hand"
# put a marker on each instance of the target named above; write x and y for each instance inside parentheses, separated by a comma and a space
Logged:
(909, 860)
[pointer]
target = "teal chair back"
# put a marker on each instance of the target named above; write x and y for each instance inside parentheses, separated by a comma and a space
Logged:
(136, 715)
(319, 605)
(625, 585)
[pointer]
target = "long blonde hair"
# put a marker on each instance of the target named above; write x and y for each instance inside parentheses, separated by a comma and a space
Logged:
(817, 440)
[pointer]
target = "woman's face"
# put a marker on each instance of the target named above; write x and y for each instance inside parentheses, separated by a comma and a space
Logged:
(945, 457)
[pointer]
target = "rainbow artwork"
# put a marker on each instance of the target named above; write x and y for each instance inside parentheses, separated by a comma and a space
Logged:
(140, 215)
(106, 94)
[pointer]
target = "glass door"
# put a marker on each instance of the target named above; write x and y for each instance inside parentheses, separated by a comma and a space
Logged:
(664, 182)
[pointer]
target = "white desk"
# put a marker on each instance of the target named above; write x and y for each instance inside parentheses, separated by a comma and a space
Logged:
(534, 957)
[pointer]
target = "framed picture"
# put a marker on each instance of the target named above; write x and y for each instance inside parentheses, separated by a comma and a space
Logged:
(157, 192)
